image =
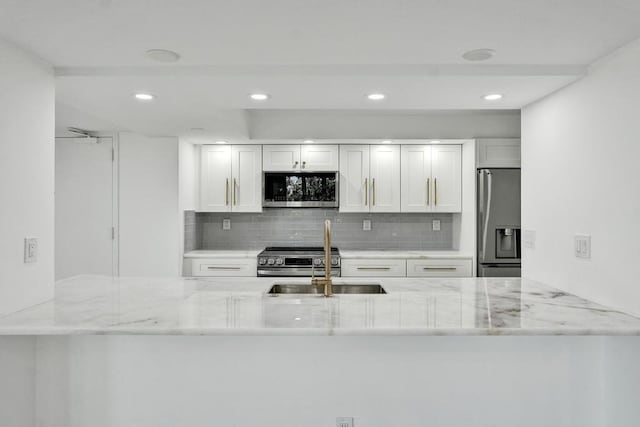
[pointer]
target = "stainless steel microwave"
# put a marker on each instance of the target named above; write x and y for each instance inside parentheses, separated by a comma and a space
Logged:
(300, 190)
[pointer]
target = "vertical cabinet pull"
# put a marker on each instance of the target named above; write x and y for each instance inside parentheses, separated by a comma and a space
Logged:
(226, 192)
(373, 190)
(428, 195)
(435, 191)
(366, 191)
(235, 186)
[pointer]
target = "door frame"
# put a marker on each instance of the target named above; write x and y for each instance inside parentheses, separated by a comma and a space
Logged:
(115, 187)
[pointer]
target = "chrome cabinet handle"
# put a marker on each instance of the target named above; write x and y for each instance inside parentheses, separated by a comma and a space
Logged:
(435, 191)
(366, 191)
(226, 192)
(374, 268)
(222, 268)
(428, 192)
(440, 268)
(235, 186)
(373, 190)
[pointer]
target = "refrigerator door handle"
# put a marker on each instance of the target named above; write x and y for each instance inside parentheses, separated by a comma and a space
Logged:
(486, 215)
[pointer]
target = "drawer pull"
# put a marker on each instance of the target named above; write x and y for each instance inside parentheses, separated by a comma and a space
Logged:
(374, 268)
(211, 267)
(440, 268)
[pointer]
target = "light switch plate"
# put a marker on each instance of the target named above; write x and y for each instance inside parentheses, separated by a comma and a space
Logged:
(435, 225)
(344, 422)
(582, 246)
(529, 239)
(226, 224)
(30, 250)
(366, 225)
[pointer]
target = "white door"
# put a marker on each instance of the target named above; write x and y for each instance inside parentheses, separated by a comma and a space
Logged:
(385, 178)
(85, 211)
(416, 178)
(215, 178)
(354, 178)
(319, 158)
(447, 178)
(246, 171)
(280, 158)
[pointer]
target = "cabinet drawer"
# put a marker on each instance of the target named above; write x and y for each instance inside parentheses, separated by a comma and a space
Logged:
(226, 267)
(439, 268)
(374, 268)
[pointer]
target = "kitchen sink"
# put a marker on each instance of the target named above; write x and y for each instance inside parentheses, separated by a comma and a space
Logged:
(338, 288)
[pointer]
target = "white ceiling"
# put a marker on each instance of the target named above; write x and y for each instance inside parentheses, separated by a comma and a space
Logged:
(321, 54)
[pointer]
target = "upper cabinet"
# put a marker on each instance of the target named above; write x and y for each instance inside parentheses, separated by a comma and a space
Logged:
(231, 178)
(308, 157)
(498, 153)
(431, 178)
(369, 178)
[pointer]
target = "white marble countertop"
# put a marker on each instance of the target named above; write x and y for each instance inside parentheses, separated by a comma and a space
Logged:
(403, 254)
(239, 306)
(222, 254)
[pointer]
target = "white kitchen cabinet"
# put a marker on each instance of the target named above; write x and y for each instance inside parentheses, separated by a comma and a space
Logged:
(231, 178)
(224, 267)
(308, 157)
(446, 171)
(373, 267)
(498, 153)
(431, 178)
(369, 178)
(455, 267)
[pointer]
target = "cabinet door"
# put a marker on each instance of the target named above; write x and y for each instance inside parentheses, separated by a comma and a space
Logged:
(246, 172)
(446, 175)
(385, 178)
(416, 178)
(319, 158)
(439, 267)
(280, 158)
(354, 178)
(373, 267)
(215, 178)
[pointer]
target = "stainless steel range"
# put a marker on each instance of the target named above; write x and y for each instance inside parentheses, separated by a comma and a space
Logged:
(296, 261)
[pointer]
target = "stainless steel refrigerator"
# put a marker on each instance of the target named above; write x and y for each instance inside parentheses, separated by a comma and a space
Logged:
(498, 228)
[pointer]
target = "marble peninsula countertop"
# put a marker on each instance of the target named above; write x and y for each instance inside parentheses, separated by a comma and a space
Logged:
(240, 306)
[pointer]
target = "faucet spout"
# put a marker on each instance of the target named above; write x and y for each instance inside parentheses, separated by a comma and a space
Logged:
(326, 282)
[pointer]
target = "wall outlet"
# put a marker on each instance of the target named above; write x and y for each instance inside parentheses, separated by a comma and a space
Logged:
(435, 225)
(226, 224)
(582, 246)
(30, 250)
(344, 422)
(529, 239)
(366, 225)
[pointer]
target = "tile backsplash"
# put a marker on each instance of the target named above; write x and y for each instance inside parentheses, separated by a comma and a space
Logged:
(297, 227)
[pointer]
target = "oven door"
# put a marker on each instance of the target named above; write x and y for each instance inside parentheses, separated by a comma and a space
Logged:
(300, 190)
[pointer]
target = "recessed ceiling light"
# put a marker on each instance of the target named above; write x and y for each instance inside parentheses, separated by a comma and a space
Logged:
(163, 55)
(493, 97)
(376, 96)
(479, 54)
(259, 96)
(221, 142)
(386, 142)
(144, 96)
(308, 141)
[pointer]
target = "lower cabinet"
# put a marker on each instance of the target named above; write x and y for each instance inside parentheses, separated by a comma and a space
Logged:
(224, 267)
(440, 267)
(374, 267)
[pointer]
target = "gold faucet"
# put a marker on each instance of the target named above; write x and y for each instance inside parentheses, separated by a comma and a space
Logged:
(326, 282)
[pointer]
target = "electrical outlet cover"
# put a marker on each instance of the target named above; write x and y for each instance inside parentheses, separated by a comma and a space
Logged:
(582, 246)
(435, 225)
(344, 422)
(30, 250)
(366, 225)
(226, 224)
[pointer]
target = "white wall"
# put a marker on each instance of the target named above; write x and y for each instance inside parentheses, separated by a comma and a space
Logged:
(362, 124)
(580, 157)
(149, 222)
(26, 177)
(167, 381)
(464, 223)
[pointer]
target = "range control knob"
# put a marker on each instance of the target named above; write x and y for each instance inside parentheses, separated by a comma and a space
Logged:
(334, 260)
(279, 261)
(262, 261)
(317, 261)
(271, 261)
